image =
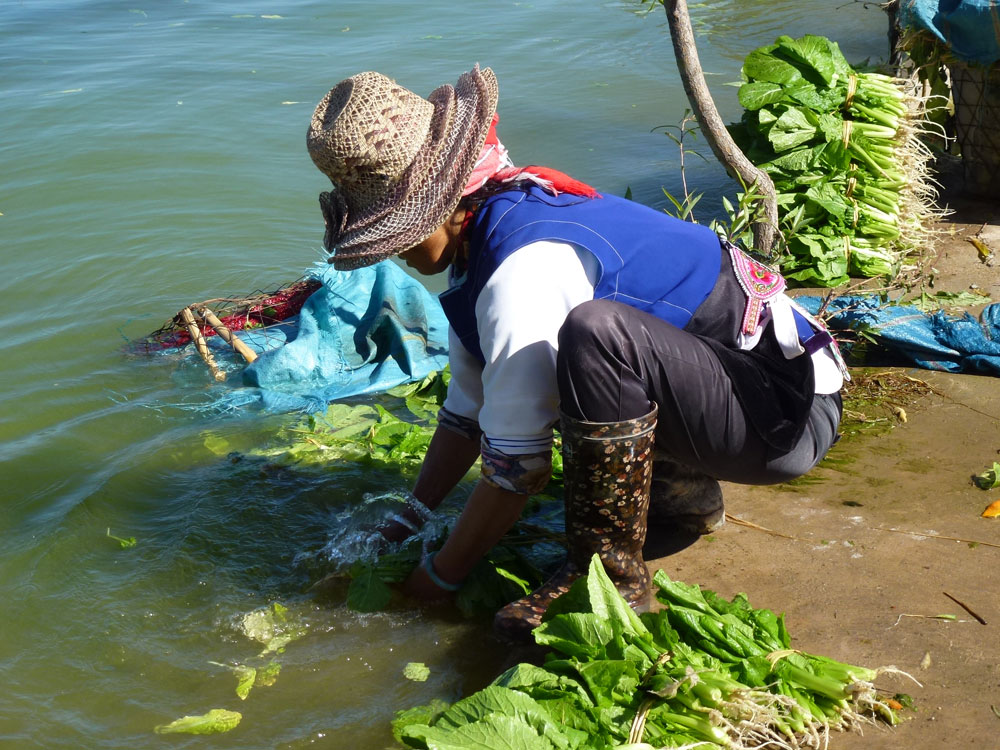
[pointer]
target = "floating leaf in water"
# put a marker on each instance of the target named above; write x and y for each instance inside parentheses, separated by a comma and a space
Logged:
(272, 627)
(247, 676)
(367, 592)
(218, 445)
(123, 543)
(993, 510)
(267, 676)
(416, 671)
(215, 721)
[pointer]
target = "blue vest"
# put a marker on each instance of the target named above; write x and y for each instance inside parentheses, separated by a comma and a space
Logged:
(648, 260)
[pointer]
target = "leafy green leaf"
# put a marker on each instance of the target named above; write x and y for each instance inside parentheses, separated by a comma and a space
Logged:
(939, 300)
(611, 681)
(418, 716)
(246, 677)
(215, 721)
(416, 671)
(989, 479)
(496, 701)
(267, 675)
(761, 65)
(217, 444)
(757, 94)
(608, 604)
(272, 627)
(576, 634)
(493, 732)
(791, 129)
(812, 52)
(367, 592)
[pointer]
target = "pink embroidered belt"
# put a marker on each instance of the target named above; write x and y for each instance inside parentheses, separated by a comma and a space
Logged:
(760, 284)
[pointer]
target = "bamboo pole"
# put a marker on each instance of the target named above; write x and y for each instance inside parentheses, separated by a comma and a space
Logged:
(199, 341)
(712, 126)
(234, 341)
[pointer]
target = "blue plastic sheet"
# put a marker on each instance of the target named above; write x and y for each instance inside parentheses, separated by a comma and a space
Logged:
(970, 28)
(934, 341)
(363, 331)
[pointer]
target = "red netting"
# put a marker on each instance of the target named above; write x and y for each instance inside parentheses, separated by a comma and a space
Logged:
(255, 311)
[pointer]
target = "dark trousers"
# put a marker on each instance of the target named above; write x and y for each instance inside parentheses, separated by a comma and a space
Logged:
(615, 361)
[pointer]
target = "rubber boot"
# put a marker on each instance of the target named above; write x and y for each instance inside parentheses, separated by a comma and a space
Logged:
(683, 498)
(607, 469)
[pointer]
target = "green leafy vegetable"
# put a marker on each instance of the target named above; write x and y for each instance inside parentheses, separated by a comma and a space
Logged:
(989, 479)
(271, 626)
(215, 721)
(246, 677)
(703, 670)
(268, 674)
(367, 592)
(842, 148)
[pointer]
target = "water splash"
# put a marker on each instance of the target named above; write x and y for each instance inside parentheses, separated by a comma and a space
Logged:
(355, 535)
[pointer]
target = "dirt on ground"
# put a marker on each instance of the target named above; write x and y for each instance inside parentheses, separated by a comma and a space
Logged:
(864, 552)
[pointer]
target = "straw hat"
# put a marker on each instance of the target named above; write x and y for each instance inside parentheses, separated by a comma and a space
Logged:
(398, 162)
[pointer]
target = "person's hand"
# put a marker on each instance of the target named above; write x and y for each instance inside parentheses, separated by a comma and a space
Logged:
(407, 522)
(422, 585)
(396, 531)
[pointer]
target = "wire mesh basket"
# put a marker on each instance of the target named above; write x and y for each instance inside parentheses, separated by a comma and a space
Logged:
(976, 95)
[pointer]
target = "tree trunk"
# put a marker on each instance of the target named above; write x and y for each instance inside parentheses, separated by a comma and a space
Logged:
(712, 127)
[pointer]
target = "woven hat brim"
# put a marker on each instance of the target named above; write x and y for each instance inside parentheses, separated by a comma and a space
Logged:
(430, 189)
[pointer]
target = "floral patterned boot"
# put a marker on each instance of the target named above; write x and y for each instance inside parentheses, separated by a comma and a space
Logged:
(607, 468)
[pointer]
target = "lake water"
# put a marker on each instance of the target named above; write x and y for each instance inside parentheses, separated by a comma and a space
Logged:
(152, 155)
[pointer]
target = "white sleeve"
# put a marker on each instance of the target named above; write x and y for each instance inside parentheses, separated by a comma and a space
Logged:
(465, 391)
(519, 313)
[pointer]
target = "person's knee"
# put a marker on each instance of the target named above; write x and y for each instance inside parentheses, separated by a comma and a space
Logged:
(585, 329)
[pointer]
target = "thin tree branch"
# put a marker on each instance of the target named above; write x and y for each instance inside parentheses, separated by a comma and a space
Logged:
(712, 127)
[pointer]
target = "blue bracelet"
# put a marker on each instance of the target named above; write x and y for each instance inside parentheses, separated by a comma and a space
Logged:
(428, 566)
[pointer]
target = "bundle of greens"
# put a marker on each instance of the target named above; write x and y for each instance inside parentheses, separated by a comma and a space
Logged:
(855, 195)
(704, 671)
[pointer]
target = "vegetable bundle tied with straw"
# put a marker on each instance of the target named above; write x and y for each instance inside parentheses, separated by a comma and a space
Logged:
(855, 195)
(703, 672)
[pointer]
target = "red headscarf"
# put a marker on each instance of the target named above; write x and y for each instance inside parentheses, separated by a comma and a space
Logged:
(495, 165)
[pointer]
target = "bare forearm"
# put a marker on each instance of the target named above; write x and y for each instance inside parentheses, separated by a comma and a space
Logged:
(448, 459)
(488, 515)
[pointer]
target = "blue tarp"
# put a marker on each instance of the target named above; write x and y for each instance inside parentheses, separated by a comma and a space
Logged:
(970, 28)
(363, 331)
(934, 341)
(368, 330)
